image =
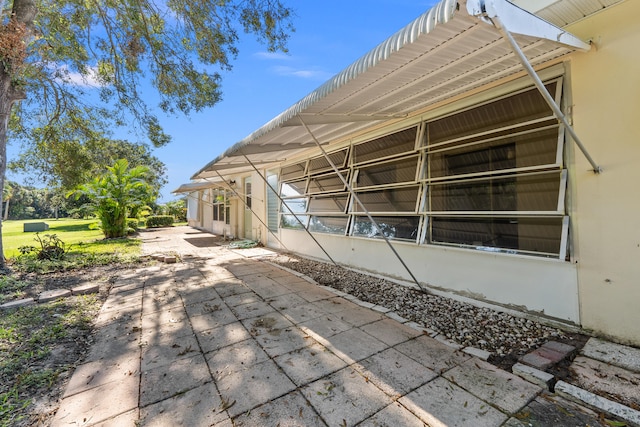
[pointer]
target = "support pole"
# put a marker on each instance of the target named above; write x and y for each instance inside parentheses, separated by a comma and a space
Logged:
(246, 206)
(357, 199)
(543, 91)
(288, 208)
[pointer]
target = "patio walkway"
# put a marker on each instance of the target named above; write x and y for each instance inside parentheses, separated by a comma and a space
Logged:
(223, 339)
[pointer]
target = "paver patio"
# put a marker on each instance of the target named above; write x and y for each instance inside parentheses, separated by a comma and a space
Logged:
(221, 339)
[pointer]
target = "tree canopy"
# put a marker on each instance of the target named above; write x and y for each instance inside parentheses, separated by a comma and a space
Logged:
(73, 162)
(76, 66)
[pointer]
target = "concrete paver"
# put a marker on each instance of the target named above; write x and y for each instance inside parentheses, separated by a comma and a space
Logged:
(99, 404)
(433, 354)
(324, 326)
(200, 406)
(390, 332)
(502, 389)
(222, 339)
(159, 350)
(222, 336)
(290, 410)
(394, 373)
(345, 397)
(309, 363)
(161, 382)
(235, 358)
(441, 403)
(256, 385)
(393, 415)
(615, 354)
(98, 373)
(608, 380)
(552, 410)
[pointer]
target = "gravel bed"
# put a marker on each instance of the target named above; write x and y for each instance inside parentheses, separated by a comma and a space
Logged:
(504, 335)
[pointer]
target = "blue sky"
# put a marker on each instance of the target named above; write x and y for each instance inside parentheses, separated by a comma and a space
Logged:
(329, 36)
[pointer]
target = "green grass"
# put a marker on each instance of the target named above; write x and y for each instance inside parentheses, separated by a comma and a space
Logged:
(79, 235)
(71, 231)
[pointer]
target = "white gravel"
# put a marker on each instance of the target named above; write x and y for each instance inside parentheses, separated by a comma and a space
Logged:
(468, 325)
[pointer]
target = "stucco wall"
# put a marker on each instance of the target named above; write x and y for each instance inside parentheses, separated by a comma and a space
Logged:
(606, 217)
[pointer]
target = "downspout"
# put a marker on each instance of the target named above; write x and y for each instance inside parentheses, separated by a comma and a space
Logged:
(357, 199)
(288, 208)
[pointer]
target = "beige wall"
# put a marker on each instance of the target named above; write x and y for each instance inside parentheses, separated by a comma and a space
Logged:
(606, 219)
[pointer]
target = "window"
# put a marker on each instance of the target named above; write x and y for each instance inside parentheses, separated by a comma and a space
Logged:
(488, 177)
(399, 199)
(389, 145)
(328, 224)
(328, 183)
(393, 227)
(247, 191)
(321, 164)
(273, 202)
(494, 177)
(220, 201)
(392, 172)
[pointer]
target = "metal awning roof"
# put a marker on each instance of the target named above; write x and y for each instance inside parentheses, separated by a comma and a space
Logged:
(450, 50)
(195, 186)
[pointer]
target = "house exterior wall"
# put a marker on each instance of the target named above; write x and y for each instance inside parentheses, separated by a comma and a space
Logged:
(207, 210)
(606, 98)
(193, 217)
(597, 286)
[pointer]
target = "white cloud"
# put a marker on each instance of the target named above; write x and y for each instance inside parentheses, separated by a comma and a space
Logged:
(73, 77)
(272, 56)
(302, 73)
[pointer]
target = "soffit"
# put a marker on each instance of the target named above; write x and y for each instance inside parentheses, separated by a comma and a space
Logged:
(565, 12)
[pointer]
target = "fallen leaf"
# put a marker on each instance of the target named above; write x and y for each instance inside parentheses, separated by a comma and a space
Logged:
(226, 404)
(613, 423)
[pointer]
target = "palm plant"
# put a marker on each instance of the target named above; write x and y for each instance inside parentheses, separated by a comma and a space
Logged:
(116, 193)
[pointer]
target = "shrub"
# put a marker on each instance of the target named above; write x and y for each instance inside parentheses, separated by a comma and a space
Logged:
(132, 224)
(159, 221)
(51, 247)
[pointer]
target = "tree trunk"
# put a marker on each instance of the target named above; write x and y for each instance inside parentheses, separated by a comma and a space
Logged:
(24, 12)
(6, 209)
(6, 102)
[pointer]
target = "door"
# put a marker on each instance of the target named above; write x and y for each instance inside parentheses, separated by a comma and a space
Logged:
(248, 232)
(273, 204)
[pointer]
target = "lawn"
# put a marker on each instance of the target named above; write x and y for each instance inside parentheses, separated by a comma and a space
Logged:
(77, 234)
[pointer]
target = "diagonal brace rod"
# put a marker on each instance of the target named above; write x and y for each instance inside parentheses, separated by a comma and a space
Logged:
(544, 92)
